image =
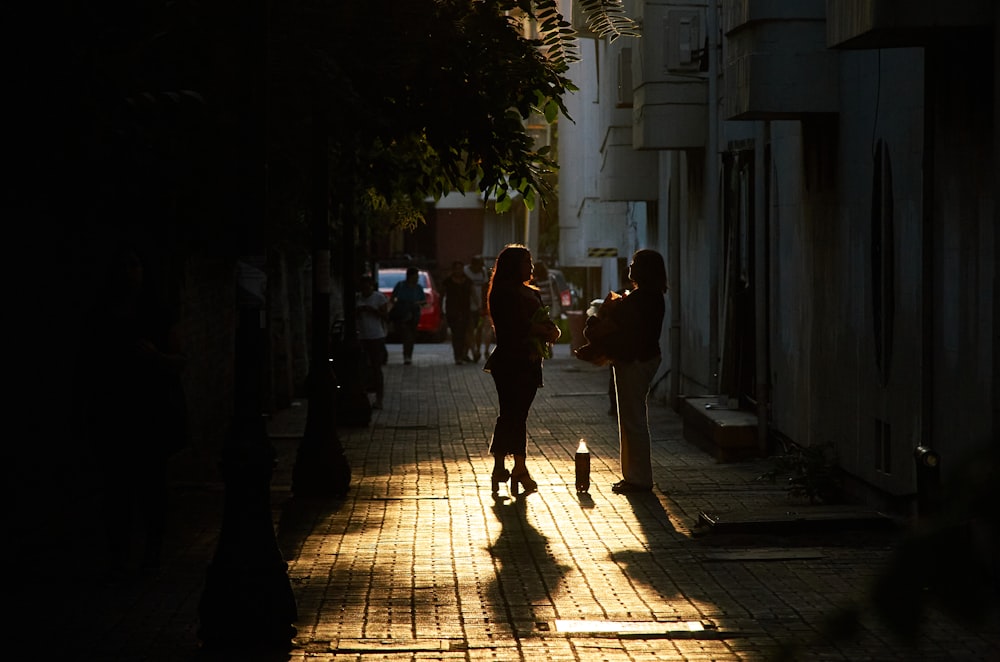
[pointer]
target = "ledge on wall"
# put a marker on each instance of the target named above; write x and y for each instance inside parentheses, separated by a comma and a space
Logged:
(728, 434)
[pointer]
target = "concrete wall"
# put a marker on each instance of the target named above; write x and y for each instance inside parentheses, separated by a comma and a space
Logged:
(459, 235)
(963, 249)
(877, 313)
(696, 252)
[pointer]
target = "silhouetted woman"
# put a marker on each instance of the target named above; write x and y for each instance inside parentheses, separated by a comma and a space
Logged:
(523, 331)
(636, 358)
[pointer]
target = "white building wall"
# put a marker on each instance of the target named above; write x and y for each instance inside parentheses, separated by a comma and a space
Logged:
(603, 184)
(579, 206)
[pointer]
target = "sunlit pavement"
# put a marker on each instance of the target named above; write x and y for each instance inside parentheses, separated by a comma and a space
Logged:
(418, 561)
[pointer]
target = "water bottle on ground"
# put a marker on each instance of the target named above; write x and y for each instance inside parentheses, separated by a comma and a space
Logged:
(582, 467)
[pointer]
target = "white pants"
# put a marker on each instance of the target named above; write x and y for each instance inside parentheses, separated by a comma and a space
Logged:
(631, 389)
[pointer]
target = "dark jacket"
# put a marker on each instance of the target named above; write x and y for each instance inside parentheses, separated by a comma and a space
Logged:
(639, 318)
(511, 310)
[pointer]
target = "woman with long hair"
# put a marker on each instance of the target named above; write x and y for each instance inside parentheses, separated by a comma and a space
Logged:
(523, 332)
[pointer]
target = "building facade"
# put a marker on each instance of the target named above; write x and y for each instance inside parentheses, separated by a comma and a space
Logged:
(822, 178)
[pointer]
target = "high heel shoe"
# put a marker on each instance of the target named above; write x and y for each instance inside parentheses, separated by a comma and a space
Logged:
(498, 476)
(524, 478)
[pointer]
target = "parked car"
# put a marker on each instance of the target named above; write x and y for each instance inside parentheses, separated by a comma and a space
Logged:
(557, 294)
(569, 297)
(432, 326)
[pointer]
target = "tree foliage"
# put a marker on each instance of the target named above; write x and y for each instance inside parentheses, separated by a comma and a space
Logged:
(423, 97)
(608, 19)
(416, 97)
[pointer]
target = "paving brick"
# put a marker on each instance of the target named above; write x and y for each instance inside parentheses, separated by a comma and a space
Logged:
(418, 562)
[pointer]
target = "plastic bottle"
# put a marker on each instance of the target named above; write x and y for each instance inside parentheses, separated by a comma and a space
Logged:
(582, 467)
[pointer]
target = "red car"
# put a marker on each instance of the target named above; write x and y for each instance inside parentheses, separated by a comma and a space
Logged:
(432, 326)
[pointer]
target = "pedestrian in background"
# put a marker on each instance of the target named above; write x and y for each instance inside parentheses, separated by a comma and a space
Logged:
(135, 414)
(456, 296)
(408, 298)
(372, 310)
(546, 289)
(522, 333)
(477, 273)
(635, 359)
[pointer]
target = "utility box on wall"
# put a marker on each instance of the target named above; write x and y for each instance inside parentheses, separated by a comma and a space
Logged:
(684, 41)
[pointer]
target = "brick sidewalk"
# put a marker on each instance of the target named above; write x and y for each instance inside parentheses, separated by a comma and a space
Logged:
(419, 562)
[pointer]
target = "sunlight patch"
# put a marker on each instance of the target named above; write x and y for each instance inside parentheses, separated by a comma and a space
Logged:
(629, 627)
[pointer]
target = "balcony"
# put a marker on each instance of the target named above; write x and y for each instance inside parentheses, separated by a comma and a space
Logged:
(777, 65)
(670, 98)
(626, 173)
(869, 24)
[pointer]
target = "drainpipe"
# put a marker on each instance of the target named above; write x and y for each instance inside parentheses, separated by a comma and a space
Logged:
(927, 357)
(712, 190)
(761, 268)
(996, 235)
(672, 158)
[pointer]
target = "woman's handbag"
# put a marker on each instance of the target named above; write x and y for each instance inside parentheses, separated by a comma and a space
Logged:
(601, 338)
(602, 334)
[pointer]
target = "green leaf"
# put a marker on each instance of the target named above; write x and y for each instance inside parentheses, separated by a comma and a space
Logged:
(608, 19)
(529, 199)
(551, 111)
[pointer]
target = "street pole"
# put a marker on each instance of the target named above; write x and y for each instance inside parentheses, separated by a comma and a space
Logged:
(355, 408)
(321, 469)
(248, 600)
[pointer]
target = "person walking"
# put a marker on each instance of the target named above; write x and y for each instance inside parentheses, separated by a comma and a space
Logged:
(635, 359)
(524, 333)
(372, 309)
(408, 297)
(477, 273)
(457, 294)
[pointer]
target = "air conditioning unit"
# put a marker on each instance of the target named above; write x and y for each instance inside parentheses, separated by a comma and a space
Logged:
(683, 40)
(579, 21)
